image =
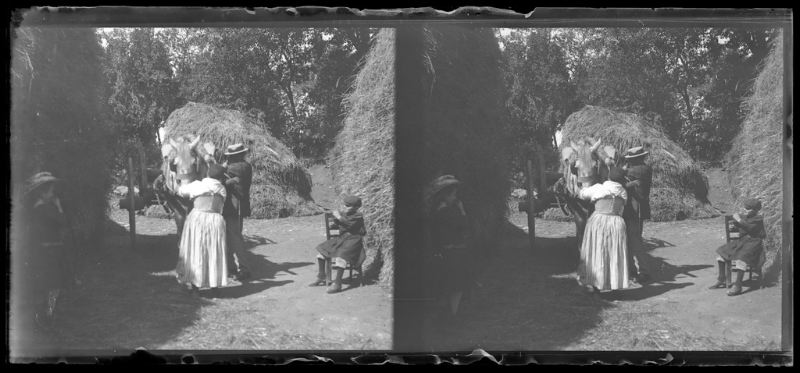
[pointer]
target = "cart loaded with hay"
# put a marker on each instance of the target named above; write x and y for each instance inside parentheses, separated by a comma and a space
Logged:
(281, 186)
(679, 190)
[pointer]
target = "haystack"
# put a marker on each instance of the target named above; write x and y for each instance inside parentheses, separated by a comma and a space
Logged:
(281, 185)
(463, 132)
(58, 123)
(362, 161)
(464, 124)
(755, 161)
(679, 190)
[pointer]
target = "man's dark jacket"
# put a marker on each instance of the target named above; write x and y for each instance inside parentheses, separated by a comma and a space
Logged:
(639, 200)
(240, 176)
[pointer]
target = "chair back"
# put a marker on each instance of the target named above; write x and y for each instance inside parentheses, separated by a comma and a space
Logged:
(331, 229)
(731, 231)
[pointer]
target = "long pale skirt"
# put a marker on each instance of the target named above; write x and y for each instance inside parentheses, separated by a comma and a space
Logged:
(202, 260)
(604, 253)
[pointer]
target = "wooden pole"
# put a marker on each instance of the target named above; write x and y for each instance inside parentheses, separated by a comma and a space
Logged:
(542, 176)
(143, 183)
(132, 207)
(531, 205)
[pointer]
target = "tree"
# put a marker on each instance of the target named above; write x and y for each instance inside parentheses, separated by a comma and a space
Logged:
(143, 92)
(540, 94)
(626, 70)
(337, 63)
(291, 79)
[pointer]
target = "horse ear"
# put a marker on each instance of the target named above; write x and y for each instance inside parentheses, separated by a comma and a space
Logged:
(194, 142)
(166, 149)
(210, 149)
(566, 153)
(596, 144)
(610, 151)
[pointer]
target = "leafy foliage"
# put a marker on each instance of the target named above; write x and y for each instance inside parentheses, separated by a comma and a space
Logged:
(689, 81)
(142, 89)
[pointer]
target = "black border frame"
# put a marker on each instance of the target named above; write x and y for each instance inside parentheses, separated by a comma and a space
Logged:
(406, 19)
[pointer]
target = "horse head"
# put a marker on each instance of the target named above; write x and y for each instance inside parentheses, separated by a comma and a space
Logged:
(586, 157)
(583, 163)
(187, 161)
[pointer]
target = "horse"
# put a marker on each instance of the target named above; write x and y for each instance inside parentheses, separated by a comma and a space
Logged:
(584, 162)
(183, 161)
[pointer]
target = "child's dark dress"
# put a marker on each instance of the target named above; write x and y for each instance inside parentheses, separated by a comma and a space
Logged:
(44, 255)
(747, 248)
(349, 244)
(448, 232)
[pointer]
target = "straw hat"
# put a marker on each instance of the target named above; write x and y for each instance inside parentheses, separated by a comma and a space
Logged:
(440, 183)
(635, 152)
(235, 149)
(38, 180)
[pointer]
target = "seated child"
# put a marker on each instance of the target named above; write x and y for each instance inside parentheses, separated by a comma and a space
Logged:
(744, 252)
(345, 248)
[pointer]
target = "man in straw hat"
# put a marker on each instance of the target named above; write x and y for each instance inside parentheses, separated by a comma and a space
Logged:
(44, 251)
(237, 206)
(639, 178)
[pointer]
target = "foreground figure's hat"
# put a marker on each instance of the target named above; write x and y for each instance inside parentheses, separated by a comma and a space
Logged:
(635, 152)
(351, 201)
(216, 171)
(235, 149)
(34, 182)
(443, 182)
(752, 204)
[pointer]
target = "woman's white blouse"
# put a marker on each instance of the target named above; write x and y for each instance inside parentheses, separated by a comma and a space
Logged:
(607, 189)
(205, 187)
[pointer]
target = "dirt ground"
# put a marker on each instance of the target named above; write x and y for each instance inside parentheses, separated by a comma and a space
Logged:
(528, 299)
(524, 299)
(129, 298)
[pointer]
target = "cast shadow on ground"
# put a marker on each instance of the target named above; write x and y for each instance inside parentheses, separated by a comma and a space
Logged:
(523, 299)
(652, 243)
(127, 297)
(263, 276)
(253, 240)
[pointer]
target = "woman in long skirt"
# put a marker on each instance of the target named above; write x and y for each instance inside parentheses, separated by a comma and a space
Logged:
(202, 262)
(604, 249)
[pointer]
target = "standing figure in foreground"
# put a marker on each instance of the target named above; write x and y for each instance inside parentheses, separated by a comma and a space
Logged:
(639, 177)
(447, 236)
(237, 207)
(744, 252)
(604, 252)
(44, 251)
(202, 262)
(346, 248)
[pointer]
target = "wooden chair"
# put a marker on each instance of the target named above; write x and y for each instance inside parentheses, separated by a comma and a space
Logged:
(732, 233)
(332, 230)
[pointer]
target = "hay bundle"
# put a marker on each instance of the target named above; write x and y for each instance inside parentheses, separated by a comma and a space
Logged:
(281, 185)
(755, 160)
(463, 133)
(464, 123)
(679, 190)
(362, 161)
(57, 122)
